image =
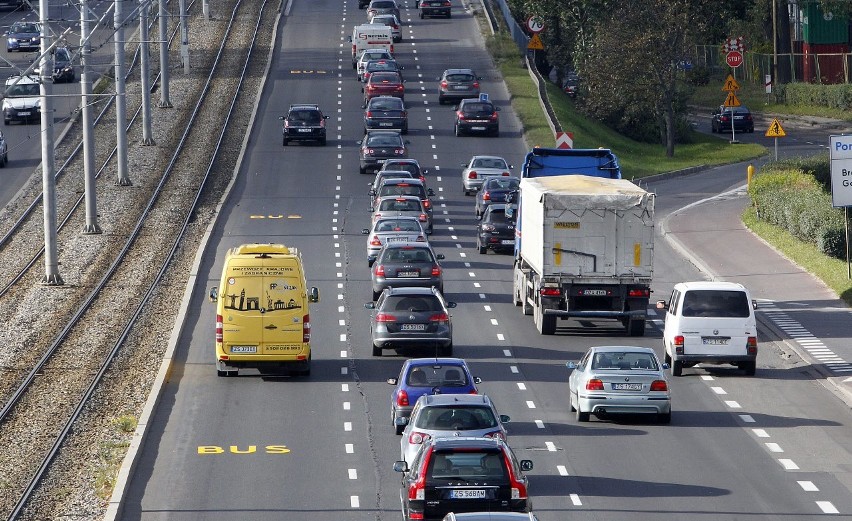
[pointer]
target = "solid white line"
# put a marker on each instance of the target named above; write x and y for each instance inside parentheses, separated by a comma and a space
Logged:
(350, 448)
(562, 470)
(774, 447)
(760, 433)
(550, 446)
(539, 424)
(513, 368)
(347, 426)
(522, 386)
(353, 474)
(827, 507)
(732, 404)
(747, 418)
(718, 390)
(576, 500)
(808, 486)
(788, 464)
(353, 500)
(530, 404)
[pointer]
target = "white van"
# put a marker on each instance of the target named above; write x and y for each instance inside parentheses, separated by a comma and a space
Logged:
(370, 36)
(712, 323)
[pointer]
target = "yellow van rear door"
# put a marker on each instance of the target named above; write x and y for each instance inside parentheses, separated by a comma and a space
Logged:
(242, 320)
(285, 308)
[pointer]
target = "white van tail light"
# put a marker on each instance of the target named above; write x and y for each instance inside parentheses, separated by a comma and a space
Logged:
(218, 328)
(306, 329)
(678, 344)
(751, 345)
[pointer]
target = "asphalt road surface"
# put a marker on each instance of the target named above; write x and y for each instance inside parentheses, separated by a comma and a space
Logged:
(322, 447)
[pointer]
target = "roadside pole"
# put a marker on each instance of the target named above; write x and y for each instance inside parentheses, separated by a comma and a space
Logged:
(184, 37)
(48, 166)
(120, 98)
(145, 66)
(165, 102)
(92, 226)
(775, 130)
(840, 150)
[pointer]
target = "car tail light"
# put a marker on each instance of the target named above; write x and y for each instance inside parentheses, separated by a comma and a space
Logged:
(506, 174)
(748, 117)
(496, 435)
(402, 398)
(424, 217)
(416, 488)
(418, 437)
(306, 328)
(379, 271)
(639, 292)
(385, 317)
(427, 203)
(460, 115)
(486, 196)
(400, 88)
(723, 119)
(594, 385)
(550, 292)
(286, 123)
(471, 175)
(678, 344)
(371, 151)
(488, 227)
(519, 488)
(751, 345)
(476, 83)
(322, 122)
(421, 238)
(375, 241)
(659, 385)
(439, 317)
(218, 328)
(493, 116)
(369, 114)
(436, 271)
(391, 49)
(444, 84)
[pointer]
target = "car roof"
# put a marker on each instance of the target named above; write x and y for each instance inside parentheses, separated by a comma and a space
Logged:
(622, 349)
(487, 157)
(395, 197)
(458, 71)
(383, 133)
(398, 218)
(401, 180)
(438, 400)
(433, 360)
(421, 291)
(402, 160)
(707, 284)
(304, 106)
(465, 442)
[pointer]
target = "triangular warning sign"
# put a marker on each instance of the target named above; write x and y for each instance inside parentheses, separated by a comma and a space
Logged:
(535, 43)
(732, 100)
(775, 129)
(730, 84)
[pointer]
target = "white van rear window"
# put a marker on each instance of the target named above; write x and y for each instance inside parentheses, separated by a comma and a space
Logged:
(715, 303)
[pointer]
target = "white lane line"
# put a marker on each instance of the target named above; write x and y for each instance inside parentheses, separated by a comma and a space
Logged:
(342, 353)
(562, 470)
(808, 486)
(760, 433)
(347, 426)
(718, 390)
(506, 352)
(774, 447)
(494, 322)
(539, 424)
(530, 404)
(788, 464)
(500, 337)
(575, 499)
(346, 406)
(513, 368)
(487, 308)
(353, 500)
(344, 370)
(344, 388)
(522, 386)
(707, 377)
(827, 507)
(550, 446)
(747, 418)
(353, 474)
(733, 404)
(341, 322)
(350, 448)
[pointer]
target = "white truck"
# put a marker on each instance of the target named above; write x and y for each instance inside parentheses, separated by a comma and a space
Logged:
(370, 36)
(584, 249)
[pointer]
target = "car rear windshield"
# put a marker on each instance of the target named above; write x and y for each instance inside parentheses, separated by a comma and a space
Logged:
(309, 117)
(496, 183)
(489, 162)
(415, 190)
(624, 361)
(407, 254)
(460, 78)
(413, 304)
(437, 376)
(395, 205)
(716, 303)
(384, 141)
(386, 104)
(498, 216)
(398, 225)
(475, 464)
(387, 4)
(479, 108)
(460, 418)
(408, 167)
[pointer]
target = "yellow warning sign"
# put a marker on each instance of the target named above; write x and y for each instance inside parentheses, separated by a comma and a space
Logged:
(775, 129)
(730, 84)
(732, 100)
(535, 43)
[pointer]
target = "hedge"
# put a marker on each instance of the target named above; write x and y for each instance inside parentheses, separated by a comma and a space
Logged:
(833, 96)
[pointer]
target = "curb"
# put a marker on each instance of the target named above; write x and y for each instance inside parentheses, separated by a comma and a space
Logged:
(115, 506)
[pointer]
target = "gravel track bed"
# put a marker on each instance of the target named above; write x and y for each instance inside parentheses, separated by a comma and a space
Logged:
(80, 481)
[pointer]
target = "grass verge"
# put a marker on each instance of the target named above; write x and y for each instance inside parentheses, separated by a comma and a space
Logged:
(830, 270)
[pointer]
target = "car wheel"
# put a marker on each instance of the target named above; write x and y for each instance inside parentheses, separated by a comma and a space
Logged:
(458, 131)
(750, 368)
(421, 15)
(377, 351)
(482, 249)
(712, 128)
(307, 370)
(376, 295)
(677, 368)
(664, 418)
(322, 142)
(579, 415)
(396, 428)
(284, 142)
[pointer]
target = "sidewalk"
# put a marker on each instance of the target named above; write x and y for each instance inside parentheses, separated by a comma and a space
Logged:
(796, 306)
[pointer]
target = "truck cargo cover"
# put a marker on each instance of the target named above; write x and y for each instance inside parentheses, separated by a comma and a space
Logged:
(579, 191)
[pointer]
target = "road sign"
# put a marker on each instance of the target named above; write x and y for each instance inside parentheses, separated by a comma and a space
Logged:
(840, 151)
(730, 84)
(535, 43)
(535, 24)
(732, 100)
(564, 140)
(775, 129)
(734, 59)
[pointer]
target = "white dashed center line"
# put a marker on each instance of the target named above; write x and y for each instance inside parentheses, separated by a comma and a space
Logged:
(774, 447)
(350, 448)
(562, 470)
(788, 464)
(522, 386)
(539, 424)
(530, 404)
(808, 486)
(575, 499)
(760, 433)
(827, 507)
(353, 474)
(353, 500)
(550, 446)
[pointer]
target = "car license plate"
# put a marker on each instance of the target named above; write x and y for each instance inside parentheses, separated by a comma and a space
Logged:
(380, 160)
(413, 327)
(506, 242)
(467, 494)
(595, 292)
(477, 128)
(385, 123)
(23, 113)
(396, 239)
(626, 387)
(459, 87)
(408, 274)
(304, 130)
(244, 349)
(714, 341)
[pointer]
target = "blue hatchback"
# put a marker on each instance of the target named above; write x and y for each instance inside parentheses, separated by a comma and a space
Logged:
(421, 376)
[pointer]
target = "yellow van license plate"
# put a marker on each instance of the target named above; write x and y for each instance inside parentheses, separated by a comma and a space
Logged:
(244, 349)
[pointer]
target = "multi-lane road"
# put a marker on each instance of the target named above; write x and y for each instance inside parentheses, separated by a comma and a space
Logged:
(775, 446)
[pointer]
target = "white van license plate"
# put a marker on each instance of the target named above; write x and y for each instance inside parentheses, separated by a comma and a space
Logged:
(244, 349)
(467, 494)
(715, 341)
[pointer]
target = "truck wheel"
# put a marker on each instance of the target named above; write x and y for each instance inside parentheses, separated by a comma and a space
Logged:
(636, 327)
(546, 325)
(677, 368)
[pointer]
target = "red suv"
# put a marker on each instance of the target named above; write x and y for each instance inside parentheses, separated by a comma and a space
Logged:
(463, 475)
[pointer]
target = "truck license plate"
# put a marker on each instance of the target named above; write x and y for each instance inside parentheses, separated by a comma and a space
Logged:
(595, 292)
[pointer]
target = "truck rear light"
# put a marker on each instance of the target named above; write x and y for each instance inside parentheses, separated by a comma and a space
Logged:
(385, 317)
(218, 328)
(659, 385)
(436, 271)
(751, 345)
(380, 270)
(678, 344)
(402, 398)
(375, 241)
(639, 292)
(550, 292)
(594, 385)
(418, 437)
(306, 329)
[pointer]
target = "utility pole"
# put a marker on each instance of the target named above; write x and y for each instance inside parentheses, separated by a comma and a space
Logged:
(164, 57)
(48, 167)
(88, 129)
(205, 9)
(775, 82)
(184, 37)
(120, 98)
(144, 64)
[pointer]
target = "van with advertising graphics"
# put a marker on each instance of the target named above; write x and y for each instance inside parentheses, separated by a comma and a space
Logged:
(712, 323)
(370, 36)
(263, 316)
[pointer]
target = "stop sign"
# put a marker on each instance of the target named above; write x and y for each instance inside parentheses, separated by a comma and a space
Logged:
(734, 59)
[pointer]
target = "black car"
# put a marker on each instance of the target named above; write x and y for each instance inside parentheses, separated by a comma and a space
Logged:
(477, 116)
(495, 190)
(495, 229)
(456, 84)
(407, 264)
(63, 69)
(304, 122)
(463, 475)
(411, 317)
(379, 146)
(721, 120)
(432, 8)
(386, 112)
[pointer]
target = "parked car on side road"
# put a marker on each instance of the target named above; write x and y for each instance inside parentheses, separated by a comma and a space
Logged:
(720, 120)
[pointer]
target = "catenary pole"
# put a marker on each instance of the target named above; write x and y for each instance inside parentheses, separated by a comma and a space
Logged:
(120, 98)
(165, 102)
(48, 167)
(88, 129)
(145, 80)
(184, 37)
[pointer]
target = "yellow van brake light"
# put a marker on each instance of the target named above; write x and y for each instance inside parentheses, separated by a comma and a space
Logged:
(219, 337)
(306, 329)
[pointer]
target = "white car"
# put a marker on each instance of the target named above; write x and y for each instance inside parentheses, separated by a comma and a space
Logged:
(480, 168)
(22, 101)
(387, 230)
(371, 54)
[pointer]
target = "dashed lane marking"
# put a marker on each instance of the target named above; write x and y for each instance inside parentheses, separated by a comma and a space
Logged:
(827, 507)
(774, 447)
(788, 464)
(808, 486)
(562, 470)
(575, 499)
(733, 404)
(539, 424)
(760, 433)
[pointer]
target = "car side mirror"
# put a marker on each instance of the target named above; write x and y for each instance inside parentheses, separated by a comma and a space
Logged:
(662, 304)
(425, 171)
(526, 465)
(371, 305)
(401, 420)
(451, 305)
(365, 231)
(281, 117)
(400, 466)
(313, 295)
(430, 192)
(511, 167)
(325, 117)
(358, 142)
(477, 380)
(440, 256)
(478, 217)
(753, 304)
(372, 192)
(349, 38)
(571, 365)
(666, 366)
(497, 109)
(214, 294)
(504, 418)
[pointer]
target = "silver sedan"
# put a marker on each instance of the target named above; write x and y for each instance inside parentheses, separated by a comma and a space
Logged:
(480, 168)
(619, 379)
(392, 229)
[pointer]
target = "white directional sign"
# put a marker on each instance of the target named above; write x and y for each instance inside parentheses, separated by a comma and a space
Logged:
(841, 171)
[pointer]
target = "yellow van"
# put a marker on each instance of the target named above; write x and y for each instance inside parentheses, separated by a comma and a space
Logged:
(263, 316)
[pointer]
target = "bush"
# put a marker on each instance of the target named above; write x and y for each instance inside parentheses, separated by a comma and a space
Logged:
(833, 96)
(832, 242)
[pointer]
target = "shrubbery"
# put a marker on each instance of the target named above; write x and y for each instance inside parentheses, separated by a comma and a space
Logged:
(791, 195)
(833, 96)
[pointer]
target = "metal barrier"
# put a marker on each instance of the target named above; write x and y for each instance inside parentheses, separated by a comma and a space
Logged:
(823, 68)
(517, 32)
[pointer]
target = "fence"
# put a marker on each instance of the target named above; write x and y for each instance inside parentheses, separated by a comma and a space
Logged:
(828, 68)
(517, 32)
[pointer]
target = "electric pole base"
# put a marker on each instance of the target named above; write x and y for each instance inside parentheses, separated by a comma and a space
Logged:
(92, 229)
(164, 104)
(123, 182)
(148, 142)
(52, 280)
